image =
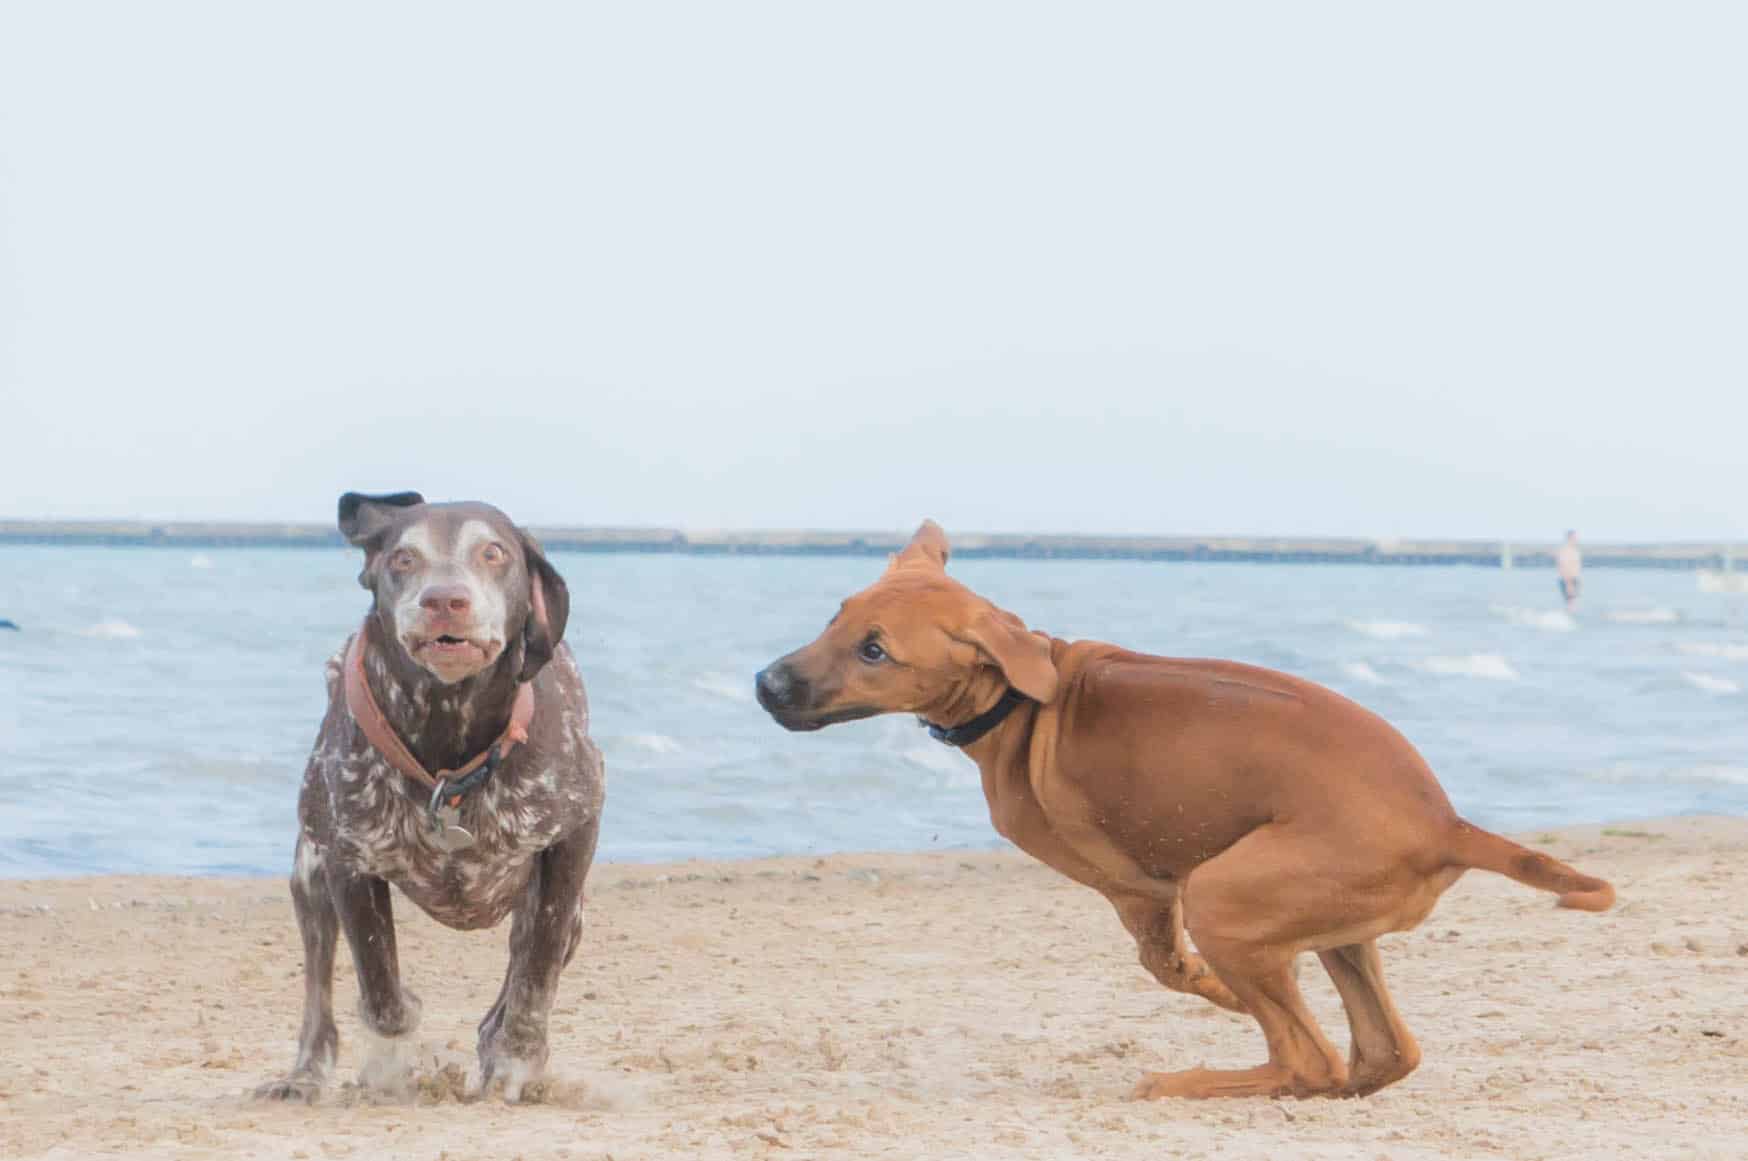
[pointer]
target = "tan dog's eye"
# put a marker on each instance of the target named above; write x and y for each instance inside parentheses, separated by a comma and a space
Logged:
(871, 652)
(402, 561)
(493, 554)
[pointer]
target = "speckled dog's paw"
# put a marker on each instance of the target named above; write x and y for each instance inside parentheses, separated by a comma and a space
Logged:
(516, 1077)
(303, 1088)
(388, 1063)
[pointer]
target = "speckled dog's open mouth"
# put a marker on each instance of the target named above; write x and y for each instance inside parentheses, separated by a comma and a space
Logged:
(450, 650)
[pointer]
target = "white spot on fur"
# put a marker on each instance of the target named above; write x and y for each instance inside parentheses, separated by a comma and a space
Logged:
(308, 863)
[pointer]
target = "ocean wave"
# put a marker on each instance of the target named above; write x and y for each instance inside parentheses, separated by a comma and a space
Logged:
(1388, 630)
(1551, 620)
(1491, 666)
(1655, 615)
(200, 560)
(654, 743)
(1711, 683)
(725, 686)
(113, 629)
(1361, 671)
(935, 758)
(1704, 772)
(1729, 650)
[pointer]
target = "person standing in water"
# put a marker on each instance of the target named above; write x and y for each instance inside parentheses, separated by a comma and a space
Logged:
(1569, 563)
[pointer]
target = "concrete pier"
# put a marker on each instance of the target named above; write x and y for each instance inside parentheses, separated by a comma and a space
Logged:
(1238, 549)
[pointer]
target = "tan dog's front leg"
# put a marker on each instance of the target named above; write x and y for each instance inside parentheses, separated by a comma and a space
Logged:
(1158, 928)
(1150, 908)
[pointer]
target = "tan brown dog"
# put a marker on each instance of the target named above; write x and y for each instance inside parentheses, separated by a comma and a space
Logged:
(1266, 815)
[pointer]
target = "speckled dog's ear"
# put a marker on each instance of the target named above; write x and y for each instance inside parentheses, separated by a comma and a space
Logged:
(363, 520)
(549, 609)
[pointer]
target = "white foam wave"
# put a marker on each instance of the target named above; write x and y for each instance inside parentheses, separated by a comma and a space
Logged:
(1713, 581)
(1711, 683)
(110, 630)
(1734, 775)
(1656, 615)
(1361, 671)
(1710, 772)
(723, 685)
(1550, 620)
(936, 758)
(1729, 650)
(1388, 630)
(1491, 666)
(200, 560)
(654, 743)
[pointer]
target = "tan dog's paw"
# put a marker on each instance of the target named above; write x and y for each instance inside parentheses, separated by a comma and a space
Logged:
(1210, 1083)
(1206, 1083)
(1189, 1083)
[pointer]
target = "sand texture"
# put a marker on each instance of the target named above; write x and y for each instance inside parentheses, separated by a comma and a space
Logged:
(908, 1006)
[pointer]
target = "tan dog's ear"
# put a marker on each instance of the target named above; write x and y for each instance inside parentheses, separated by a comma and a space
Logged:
(1024, 657)
(928, 545)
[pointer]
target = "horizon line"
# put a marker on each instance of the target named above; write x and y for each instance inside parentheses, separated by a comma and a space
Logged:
(1496, 551)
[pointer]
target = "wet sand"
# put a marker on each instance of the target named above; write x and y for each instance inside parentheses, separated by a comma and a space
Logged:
(909, 1006)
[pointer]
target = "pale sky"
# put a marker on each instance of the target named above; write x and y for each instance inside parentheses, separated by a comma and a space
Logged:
(1361, 269)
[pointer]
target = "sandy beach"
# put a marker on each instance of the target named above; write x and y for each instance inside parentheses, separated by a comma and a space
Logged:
(918, 1006)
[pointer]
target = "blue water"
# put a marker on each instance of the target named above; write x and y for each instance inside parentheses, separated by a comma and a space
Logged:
(157, 708)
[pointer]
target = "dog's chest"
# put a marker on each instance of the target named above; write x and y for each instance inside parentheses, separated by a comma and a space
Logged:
(385, 829)
(380, 823)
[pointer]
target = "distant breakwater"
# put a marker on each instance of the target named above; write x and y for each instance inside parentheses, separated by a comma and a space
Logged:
(1017, 546)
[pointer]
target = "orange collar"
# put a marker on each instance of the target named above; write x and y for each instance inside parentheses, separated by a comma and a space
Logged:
(377, 731)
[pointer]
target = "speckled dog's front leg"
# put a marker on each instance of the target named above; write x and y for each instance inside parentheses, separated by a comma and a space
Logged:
(388, 1011)
(544, 933)
(316, 921)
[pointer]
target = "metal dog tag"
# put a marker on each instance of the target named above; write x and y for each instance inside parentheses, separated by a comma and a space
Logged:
(447, 831)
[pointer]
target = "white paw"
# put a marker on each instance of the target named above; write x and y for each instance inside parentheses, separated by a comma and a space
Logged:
(515, 1076)
(388, 1062)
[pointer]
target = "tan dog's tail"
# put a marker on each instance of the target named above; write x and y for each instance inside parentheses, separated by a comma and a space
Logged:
(1487, 851)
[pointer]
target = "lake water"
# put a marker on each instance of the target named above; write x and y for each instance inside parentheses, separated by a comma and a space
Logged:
(157, 706)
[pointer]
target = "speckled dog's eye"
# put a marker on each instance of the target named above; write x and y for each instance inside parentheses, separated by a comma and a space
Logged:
(493, 554)
(402, 560)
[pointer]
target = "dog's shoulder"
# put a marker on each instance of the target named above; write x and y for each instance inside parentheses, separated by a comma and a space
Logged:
(1109, 670)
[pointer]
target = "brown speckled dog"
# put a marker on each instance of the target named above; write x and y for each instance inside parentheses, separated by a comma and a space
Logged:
(455, 763)
(1267, 815)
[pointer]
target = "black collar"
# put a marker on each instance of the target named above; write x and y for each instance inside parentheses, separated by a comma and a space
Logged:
(980, 725)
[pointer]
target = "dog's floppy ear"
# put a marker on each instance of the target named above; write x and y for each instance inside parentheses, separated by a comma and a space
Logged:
(363, 517)
(928, 546)
(1023, 657)
(549, 609)
(363, 520)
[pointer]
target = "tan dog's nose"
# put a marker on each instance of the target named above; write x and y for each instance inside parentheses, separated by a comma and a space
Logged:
(777, 687)
(445, 600)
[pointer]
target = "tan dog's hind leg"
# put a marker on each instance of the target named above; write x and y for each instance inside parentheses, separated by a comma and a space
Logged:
(1158, 928)
(1251, 910)
(1383, 1050)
